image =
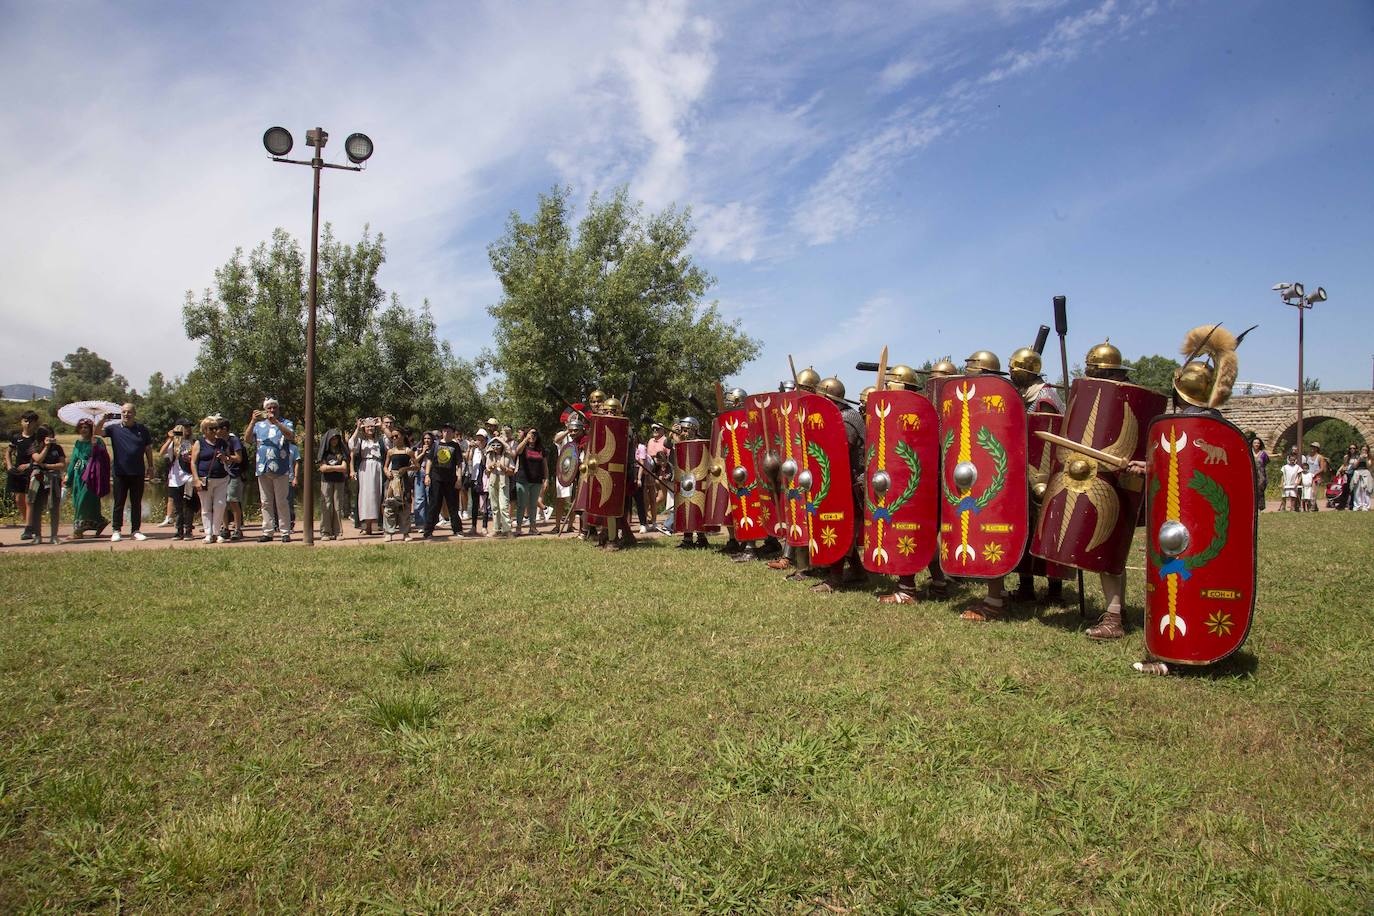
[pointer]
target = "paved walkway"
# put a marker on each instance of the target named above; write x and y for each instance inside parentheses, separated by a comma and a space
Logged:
(161, 539)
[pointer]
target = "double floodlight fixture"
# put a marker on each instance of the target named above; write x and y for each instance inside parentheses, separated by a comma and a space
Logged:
(1295, 294)
(278, 142)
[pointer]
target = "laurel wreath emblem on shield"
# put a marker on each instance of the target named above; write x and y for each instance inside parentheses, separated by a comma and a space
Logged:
(882, 511)
(964, 502)
(813, 502)
(1172, 571)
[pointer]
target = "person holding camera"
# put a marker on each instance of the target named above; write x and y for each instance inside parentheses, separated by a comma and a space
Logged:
(48, 463)
(441, 481)
(369, 448)
(177, 450)
(273, 436)
(211, 457)
(132, 446)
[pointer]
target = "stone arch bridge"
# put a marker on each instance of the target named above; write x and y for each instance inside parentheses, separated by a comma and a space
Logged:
(1274, 417)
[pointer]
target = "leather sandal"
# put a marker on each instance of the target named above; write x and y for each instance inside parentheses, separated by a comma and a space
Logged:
(983, 612)
(897, 598)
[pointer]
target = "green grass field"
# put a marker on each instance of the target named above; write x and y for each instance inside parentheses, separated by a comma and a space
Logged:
(537, 726)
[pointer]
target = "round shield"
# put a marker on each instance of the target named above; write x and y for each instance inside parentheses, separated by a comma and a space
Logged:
(568, 460)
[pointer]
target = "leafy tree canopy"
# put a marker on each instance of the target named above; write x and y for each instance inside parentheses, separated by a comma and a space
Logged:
(374, 355)
(587, 305)
(86, 376)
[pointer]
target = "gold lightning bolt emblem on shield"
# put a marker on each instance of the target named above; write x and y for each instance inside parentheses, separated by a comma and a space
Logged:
(600, 466)
(1078, 477)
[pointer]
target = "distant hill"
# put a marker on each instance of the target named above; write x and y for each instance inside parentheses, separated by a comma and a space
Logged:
(25, 393)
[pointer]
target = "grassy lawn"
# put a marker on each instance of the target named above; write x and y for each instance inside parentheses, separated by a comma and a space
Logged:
(538, 726)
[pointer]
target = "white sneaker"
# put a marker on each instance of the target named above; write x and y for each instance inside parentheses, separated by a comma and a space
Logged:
(140, 536)
(166, 522)
(643, 530)
(209, 539)
(444, 523)
(115, 536)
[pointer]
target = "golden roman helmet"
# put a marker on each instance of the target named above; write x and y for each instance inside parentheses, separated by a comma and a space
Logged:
(611, 406)
(832, 388)
(982, 361)
(899, 377)
(1104, 356)
(1203, 383)
(1025, 365)
(863, 395)
(943, 369)
(808, 379)
(596, 398)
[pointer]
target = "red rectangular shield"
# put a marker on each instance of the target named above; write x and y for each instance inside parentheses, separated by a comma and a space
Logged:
(1200, 519)
(765, 440)
(795, 527)
(984, 512)
(826, 480)
(744, 506)
(607, 460)
(693, 459)
(901, 485)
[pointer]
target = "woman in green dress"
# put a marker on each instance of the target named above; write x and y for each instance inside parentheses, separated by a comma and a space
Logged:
(86, 489)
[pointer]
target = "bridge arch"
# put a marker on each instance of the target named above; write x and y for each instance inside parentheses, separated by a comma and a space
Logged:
(1274, 417)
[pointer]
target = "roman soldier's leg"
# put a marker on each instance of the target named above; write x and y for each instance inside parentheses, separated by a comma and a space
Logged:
(1114, 592)
(801, 559)
(905, 593)
(939, 582)
(732, 546)
(784, 561)
(992, 607)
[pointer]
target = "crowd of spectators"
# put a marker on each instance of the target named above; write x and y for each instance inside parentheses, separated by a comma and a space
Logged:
(1307, 481)
(387, 480)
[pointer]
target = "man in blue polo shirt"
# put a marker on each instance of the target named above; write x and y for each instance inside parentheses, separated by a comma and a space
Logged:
(131, 466)
(273, 437)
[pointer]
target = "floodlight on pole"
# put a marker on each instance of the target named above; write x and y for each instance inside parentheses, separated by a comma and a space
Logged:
(359, 148)
(1295, 295)
(278, 143)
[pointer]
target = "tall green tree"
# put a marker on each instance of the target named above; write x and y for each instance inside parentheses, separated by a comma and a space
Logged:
(1153, 372)
(587, 305)
(86, 376)
(373, 354)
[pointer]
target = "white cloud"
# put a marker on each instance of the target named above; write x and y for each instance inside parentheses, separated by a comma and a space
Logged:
(731, 232)
(842, 199)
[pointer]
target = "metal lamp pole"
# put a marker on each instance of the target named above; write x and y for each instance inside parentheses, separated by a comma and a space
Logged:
(278, 142)
(1293, 294)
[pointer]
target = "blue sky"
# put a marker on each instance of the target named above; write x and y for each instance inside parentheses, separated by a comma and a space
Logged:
(924, 175)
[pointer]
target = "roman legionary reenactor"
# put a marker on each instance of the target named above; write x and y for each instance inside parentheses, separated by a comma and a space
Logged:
(605, 471)
(570, 441)
(984, 514)
(731, 471)
(691, 471)
(794, 462)
(901, 529)
(596, 401)
(1200, 515)
(836, 523)
(619, 532)
(1091, 505)
(1043, 412)
(763, 414)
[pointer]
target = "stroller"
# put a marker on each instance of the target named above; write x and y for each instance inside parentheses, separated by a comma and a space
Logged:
(1336, 495)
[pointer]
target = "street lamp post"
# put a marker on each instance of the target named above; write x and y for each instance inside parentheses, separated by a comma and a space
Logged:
(278, 142)
(1293, 294)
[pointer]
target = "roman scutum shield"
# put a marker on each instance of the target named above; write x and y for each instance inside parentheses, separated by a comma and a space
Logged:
(693, 460)
(605, 462)
(825, 480)
(739, 475)
(793, 448)
(1200, 522)
(717, 496)
(765, 441)
(984, 500)
(1089, 511)
(901, 483)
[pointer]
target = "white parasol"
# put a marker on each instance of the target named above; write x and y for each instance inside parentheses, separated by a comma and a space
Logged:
(73, 413)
